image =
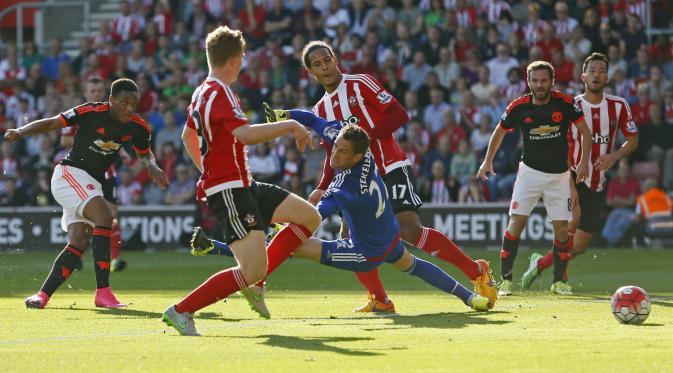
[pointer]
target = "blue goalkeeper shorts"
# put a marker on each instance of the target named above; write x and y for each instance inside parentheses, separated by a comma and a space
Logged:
(343, 254)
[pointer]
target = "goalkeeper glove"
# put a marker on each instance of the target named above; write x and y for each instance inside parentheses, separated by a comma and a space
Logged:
(276, 115)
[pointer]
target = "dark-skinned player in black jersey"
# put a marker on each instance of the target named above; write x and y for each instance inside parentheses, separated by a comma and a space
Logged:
(544, 116)
(77, 182)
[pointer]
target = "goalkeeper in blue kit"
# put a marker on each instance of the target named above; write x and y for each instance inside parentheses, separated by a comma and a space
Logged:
(358, 193)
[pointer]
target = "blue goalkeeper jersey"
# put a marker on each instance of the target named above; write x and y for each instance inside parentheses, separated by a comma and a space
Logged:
(358, 193)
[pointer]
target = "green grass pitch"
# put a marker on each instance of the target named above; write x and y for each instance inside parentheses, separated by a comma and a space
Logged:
(312, 327)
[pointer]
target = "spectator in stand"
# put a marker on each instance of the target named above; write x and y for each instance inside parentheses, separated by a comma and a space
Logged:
(335, 16)
(564, 69)
(170, 133)
(358, 10)
(472, 192)
(656, 137)
(42, 190)
(198, 21)
(447, 69)
(437, 187)
(480, 137)
(532, 29)
(31, 56)
(11, 196)
(463, 44)
(577, 47)
(431, 82)
(621, 198)
(435, 15)
(415, 73)
(433, 113)
(431, 47)
(658, 84)
(463, 164)
(625, 87)
(563, 24)
(264, 165)
(515, 86)
(640, 68)
(441, 151)
(182, 189)
(484, 88)
(548, 42)
(381, 18)
(493, 8)
(414, 110)
(125, 26)
(51, 62)
(452, 129)
(278, 23)
(668, 106)
(499, 65)
(616, 61)
(8, 160)
(632, 38)
(393, 84)
(129, 191)
(641, 109)
(411, 16)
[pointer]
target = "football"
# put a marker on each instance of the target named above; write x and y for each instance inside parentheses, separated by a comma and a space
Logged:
(631, 305)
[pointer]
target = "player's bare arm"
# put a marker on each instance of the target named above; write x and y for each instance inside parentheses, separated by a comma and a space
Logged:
(190, 139)
(493, 146)
(258, 133)
(605, 162)
(157, 175)
(34, 128)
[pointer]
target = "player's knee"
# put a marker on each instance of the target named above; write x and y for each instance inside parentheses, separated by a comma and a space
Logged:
(79, 239)
(104, 218)
(310, 219)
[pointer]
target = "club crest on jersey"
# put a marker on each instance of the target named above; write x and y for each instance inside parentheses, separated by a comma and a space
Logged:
(352, 101)
(251, 220)
(239, 114)
(557, 116)
(384, 97)
(107, 146)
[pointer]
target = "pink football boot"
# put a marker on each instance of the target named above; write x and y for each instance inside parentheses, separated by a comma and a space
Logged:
(105, 298)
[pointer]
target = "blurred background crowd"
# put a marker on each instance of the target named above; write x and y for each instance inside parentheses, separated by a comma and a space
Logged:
(453, 64)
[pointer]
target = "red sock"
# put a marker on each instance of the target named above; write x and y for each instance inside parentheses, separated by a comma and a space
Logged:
(437, 244)
(546, 261)
(218, 286)
(283, 245)
(115, 241)
(373, 283)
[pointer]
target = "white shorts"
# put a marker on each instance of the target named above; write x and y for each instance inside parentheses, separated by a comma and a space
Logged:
(73, 188)
(532, 184)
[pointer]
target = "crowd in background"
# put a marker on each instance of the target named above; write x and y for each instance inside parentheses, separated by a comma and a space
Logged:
(453, 64)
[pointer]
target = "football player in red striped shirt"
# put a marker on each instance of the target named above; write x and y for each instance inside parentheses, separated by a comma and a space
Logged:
(605, 114)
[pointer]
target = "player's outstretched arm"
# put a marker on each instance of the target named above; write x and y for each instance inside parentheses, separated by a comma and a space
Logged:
(493, 146)
(258, 133)
(34, 128)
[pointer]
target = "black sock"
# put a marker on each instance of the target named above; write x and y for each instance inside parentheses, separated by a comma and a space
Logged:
(63, 266)
(561, 257)
(510, 247)
(101, 255)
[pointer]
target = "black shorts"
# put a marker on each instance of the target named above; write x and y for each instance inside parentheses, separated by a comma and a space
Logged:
(241, 210)
(110, 190)
(592, 205)
(400, 185)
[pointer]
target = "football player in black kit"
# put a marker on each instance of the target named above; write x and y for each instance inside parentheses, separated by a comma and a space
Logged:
(77, 182)
(544, 117)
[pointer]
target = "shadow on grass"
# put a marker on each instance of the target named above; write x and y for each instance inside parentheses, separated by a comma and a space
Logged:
(130, 313)
(315, 344)
(444, 320)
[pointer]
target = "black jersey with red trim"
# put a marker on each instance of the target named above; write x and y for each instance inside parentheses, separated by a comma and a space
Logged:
(99, 137)
(544, 129)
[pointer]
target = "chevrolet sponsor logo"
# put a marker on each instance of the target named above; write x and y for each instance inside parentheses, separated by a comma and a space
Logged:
(545, 130)
(107, 145)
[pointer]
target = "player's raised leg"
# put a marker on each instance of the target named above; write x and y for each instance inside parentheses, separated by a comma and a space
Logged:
(434, 276)
(79, 238)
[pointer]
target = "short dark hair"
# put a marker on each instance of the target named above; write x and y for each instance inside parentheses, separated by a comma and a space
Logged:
(540, 65)
(310, 47)
(123, 85)
(595, 57)
(357, 136)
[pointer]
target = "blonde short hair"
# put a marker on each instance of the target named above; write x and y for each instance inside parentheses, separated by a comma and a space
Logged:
(223, 44)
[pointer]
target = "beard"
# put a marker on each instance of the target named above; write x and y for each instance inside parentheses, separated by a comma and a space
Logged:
(542, 95)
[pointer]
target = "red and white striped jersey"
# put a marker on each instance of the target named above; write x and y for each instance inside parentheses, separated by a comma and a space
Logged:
(493, 8)
(360, 99)
(603, 120)
(125, 28)
(215, 112)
